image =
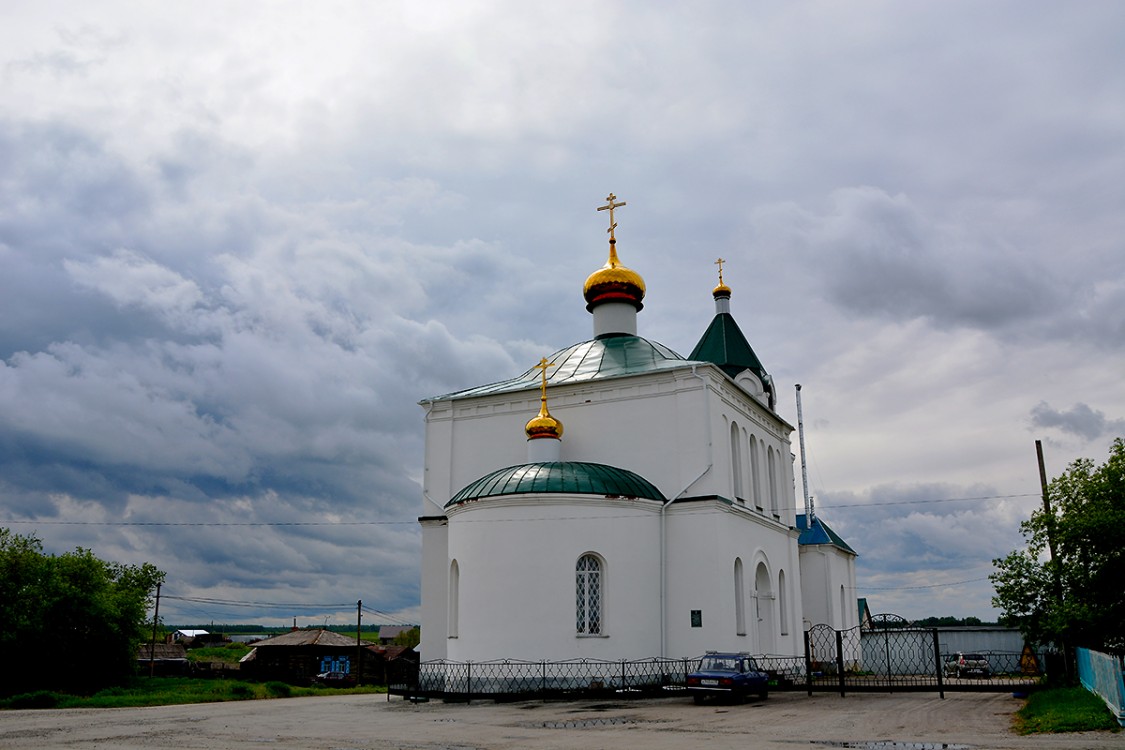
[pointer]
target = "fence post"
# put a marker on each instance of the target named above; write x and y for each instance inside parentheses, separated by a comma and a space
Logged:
(624, 684)
(840, 659)
(937, 665)
(469, 682)
(543, 681)
(808, 664)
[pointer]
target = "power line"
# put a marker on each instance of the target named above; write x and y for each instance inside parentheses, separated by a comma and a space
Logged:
(927, 586)
(212, 523)
(466, 520)
(924, 502)
(288, 606)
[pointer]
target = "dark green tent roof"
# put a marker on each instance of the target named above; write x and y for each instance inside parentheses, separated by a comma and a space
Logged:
(724, 345)
(567, 477)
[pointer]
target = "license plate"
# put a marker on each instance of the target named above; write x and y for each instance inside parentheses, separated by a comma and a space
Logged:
(708, 682)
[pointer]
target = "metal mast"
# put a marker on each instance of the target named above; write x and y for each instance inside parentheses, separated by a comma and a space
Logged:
(809, 517)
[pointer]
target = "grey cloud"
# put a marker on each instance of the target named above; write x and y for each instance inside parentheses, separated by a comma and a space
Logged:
(1079, 420)
(882, 257)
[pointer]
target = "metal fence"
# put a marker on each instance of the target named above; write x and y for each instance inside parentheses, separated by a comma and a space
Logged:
(1104, 675)
(890, 655)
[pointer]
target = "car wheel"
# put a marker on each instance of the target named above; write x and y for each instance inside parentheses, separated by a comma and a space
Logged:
(698, 699)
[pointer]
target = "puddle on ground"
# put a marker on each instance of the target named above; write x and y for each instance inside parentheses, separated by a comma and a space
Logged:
(601, 721)
(892, 745)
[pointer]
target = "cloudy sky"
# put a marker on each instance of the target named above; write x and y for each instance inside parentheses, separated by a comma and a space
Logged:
(240, 241)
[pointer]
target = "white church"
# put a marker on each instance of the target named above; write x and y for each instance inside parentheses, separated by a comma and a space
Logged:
(618, 501)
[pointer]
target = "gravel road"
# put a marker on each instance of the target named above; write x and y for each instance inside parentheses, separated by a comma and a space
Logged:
(910, 721)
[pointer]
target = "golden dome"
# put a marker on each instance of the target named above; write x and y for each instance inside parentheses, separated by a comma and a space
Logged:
(543, 425)
(722, 290)
(614, 282)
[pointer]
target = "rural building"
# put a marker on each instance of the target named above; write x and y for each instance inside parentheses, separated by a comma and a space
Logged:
(300, 655)
(162, 659)
(664, 523)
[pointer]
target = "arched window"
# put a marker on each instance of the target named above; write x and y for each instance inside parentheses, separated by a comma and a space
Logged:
(588, 595)
(736, 461)
(755, 474)
(739, 599)
(783, 603)
(454, 597)
(772, 477)
(843, 608)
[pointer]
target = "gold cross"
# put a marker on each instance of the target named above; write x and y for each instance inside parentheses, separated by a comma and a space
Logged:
(610, 205)
(542, 367)
(720, 263)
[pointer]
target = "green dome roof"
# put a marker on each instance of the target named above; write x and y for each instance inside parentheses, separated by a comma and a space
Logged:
(564, 477)
(609, 357)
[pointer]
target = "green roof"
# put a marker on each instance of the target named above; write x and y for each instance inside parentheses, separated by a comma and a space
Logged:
(565, 477)
(609, 357)
(724, 345)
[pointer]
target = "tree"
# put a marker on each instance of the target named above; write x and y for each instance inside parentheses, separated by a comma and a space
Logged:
(70, 621)
(409, 638)
(1078, 597)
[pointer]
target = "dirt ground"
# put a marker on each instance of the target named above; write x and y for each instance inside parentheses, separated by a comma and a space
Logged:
(910, 721)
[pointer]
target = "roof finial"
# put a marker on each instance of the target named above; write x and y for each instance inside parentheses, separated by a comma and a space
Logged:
(543, 366)
(543, 424)
(722, 289)
(609, 206)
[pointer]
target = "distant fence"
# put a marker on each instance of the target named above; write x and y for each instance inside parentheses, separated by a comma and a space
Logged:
(1102, 674)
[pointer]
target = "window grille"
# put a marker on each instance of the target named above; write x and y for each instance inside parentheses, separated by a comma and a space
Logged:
(588, 595)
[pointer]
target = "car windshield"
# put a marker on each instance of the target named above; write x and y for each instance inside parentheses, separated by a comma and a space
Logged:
(974, 657)
(719, 663)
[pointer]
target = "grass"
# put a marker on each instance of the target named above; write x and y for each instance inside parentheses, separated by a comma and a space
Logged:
(167, 691)
(1073, 709)
(229, 654)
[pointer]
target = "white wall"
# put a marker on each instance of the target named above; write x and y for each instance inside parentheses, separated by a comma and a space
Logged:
(826, 568)
(517, 560)
(704, 539)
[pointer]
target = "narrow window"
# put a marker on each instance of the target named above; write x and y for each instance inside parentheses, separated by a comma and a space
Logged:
(454, 596)
(783, 603)
(755, 474)
(739, 599)
(736, 461)
(588, 595)
(772, 478)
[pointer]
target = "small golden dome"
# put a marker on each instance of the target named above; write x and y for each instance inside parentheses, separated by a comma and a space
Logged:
(722, 290)
(543, 425)
(614, 282)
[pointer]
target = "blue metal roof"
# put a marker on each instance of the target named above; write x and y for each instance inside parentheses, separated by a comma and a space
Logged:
(567, 477)
(820, 533)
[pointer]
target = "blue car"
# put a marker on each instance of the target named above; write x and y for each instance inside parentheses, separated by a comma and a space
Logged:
(727, 675)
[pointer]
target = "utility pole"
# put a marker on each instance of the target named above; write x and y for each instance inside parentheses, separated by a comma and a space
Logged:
(1049, 518)
(1056, 573)
(358, 647)
(152, 643)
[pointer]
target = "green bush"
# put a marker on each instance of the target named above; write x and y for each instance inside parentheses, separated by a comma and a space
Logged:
(241, 690)
(38, 699)
(278, 689)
